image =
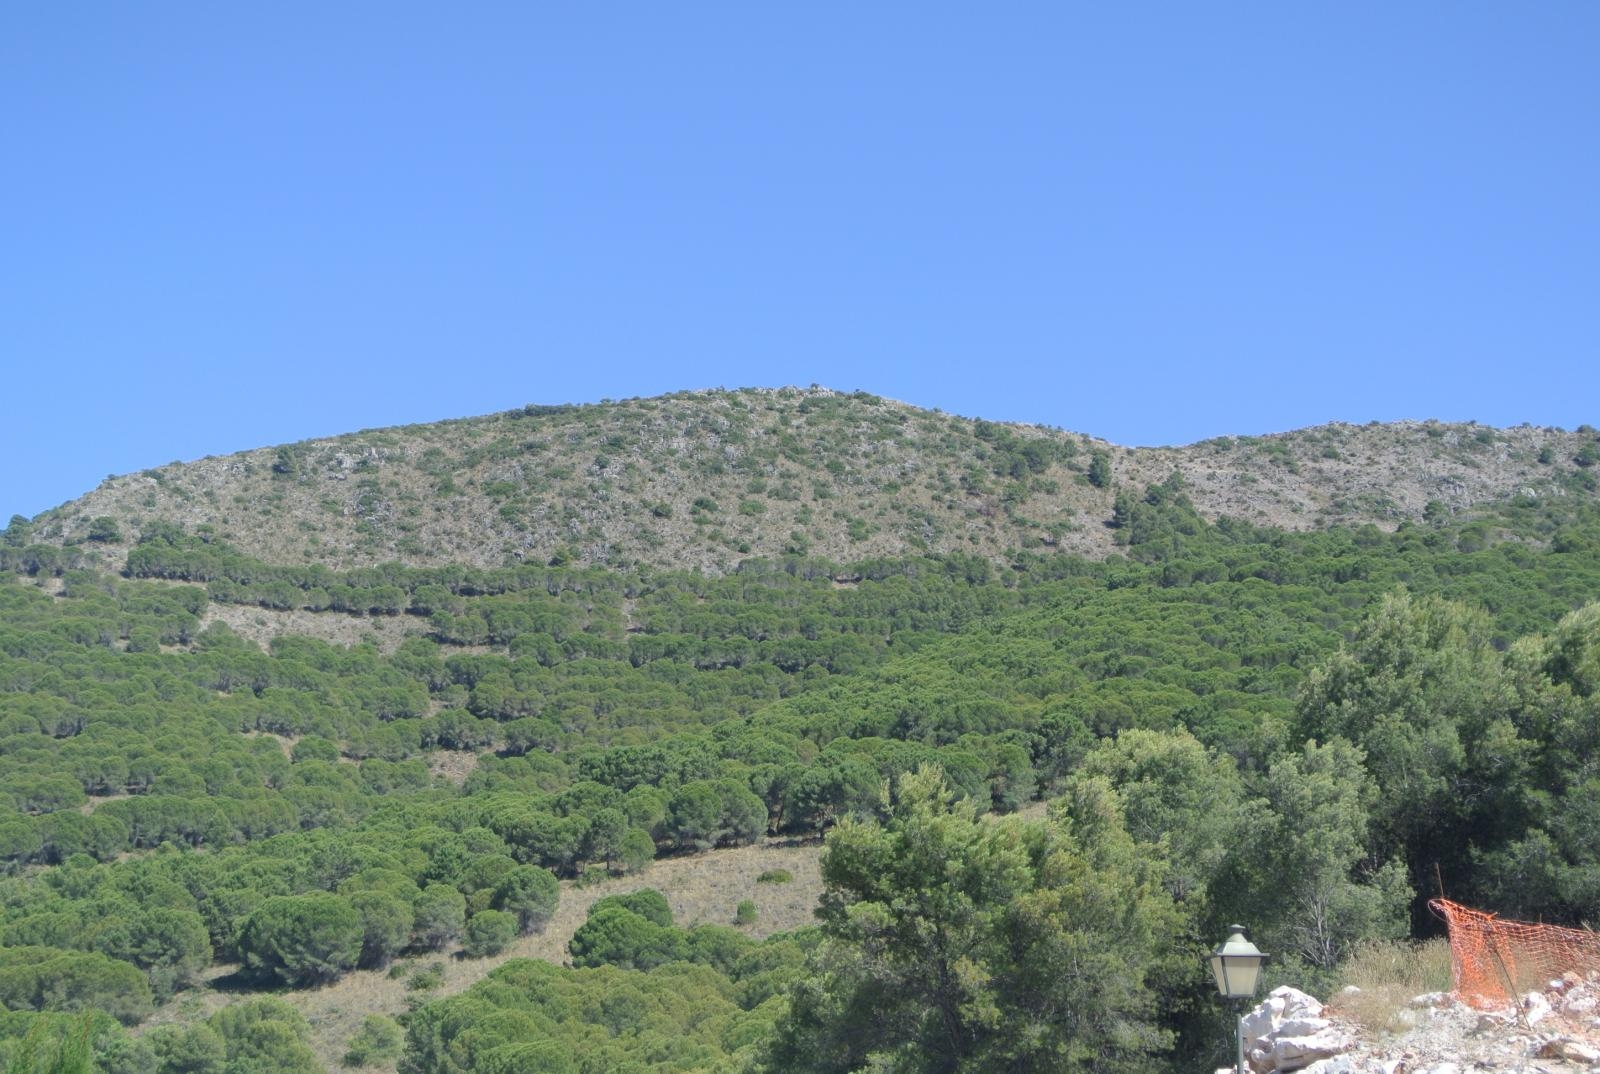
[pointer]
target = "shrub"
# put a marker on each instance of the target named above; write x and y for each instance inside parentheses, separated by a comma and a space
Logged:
(1099, 469)
(104, 529)
(427, 978)
(775, 876)
(745, 913)
(648, 903)
(489, 932)
(377, 1042)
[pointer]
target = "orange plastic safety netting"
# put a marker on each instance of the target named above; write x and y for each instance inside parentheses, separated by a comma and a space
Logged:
(1492, 959)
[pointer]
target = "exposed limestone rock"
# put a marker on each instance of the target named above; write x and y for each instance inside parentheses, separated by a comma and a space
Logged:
(1553, 1031)
(1287, 1032)
(1574, 1051)
(1535, 1008)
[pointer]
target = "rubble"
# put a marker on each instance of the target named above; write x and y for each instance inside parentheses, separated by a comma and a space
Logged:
(1554, 1030)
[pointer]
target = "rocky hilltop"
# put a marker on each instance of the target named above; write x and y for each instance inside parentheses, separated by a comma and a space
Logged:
(705, 479)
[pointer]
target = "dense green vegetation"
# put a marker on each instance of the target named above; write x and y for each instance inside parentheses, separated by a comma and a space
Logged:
(1300, 731)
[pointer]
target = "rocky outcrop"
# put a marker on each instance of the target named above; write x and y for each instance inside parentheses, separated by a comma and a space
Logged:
(1554, 1030)
(1288, 1032)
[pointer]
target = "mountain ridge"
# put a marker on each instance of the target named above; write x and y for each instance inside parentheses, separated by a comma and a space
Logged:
(703, 479)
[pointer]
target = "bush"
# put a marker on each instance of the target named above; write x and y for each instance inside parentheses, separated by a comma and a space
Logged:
(775, 876)
(745, 913)
(377, 1042)
(648, 903)
(264, 1034)
(104, 529)
(50, 979)
(489, 932)
(1100, 470)
(427, 978)
(617, 936)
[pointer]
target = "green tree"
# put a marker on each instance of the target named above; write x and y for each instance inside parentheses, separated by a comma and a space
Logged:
(264, 1036)
(529, 892)
(441, 914)
(1177, 794)
(48, 979)
(1423, 692)
(614, 935)
(197, 1050)
(171, 946)
(695, 816)
(489, 932)
(636, 851)
(1100, 470)
(386, 924)
(1325, 896)
(55, 1046)
(603, 841)
(956, 943)
(302, 940)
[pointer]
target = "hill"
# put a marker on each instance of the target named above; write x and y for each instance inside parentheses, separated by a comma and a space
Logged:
(707, 479)
(336, 729)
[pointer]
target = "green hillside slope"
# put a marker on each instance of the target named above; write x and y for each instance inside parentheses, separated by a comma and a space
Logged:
(261, 756)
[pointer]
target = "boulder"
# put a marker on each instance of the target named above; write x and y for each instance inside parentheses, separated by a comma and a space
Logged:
(1295, 1003)
(1535, 1008)
(1300, 1027)
(1286, 1032)
(1293, 1053)
(1491, 1024)
(1579, 1003)
(1573, 1051)
(1340, 1064)
(1258, 1023)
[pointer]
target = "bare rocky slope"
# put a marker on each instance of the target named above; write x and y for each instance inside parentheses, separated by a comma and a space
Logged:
(705, 479)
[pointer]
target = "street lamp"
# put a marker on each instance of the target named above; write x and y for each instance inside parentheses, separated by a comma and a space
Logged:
(1236, 967)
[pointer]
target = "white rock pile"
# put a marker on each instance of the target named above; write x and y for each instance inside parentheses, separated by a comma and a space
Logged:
(1288, 1032)
(1553, 1031)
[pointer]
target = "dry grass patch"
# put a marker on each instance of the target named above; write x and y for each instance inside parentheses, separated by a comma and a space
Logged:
(262, 625)
(453, 766)
(1388, 976)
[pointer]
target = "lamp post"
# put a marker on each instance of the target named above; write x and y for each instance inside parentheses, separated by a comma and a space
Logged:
(1236, 967)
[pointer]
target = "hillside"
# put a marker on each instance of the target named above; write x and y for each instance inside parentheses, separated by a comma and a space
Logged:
(270, 798)
(701, 889)
(706, 479)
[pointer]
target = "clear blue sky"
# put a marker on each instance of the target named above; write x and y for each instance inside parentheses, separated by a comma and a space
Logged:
(230, 225)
